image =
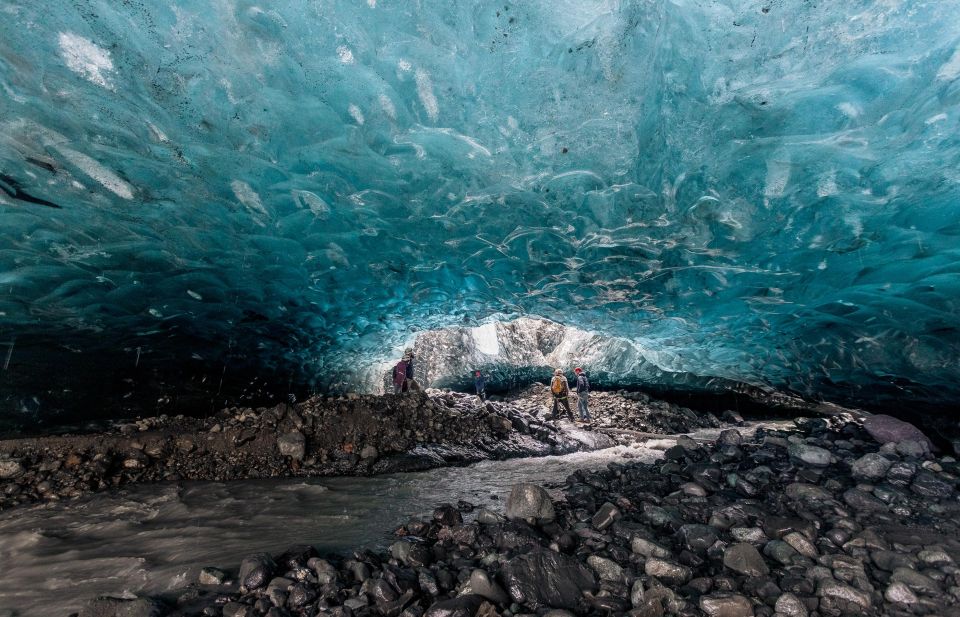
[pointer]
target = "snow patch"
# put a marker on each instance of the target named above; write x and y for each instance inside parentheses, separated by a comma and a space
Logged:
(485, 339)
(98, 172)
(86, 58)
(345, 55)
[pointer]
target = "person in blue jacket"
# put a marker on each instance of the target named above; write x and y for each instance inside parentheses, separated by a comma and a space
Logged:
(583, 394)
(481, 385)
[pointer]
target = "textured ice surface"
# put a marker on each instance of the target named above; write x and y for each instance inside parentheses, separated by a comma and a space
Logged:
(767, 191)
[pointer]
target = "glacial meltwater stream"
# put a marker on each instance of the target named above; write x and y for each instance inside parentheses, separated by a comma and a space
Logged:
(154, 538)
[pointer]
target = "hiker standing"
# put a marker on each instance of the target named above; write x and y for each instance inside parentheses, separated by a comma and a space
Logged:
(583, 393)
(403, 372)
(481, 385)
(561, 391)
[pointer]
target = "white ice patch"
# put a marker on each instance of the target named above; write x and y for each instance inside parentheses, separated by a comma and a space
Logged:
(345, 55)
(827, 185)
(249, 198)
(849, 110)
(86, 58)
(950, 70)
(935, 119)
(356, 114)
(387, 105)
(485, 339)
(425, 92)
(372, 4)
(778, 175)
(158, 135)
(404, 65)
(98, 172)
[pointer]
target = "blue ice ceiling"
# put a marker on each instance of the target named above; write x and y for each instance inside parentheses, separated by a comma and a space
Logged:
(762, 191)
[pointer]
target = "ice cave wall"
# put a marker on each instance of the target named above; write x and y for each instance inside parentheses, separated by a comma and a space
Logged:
(206, 191)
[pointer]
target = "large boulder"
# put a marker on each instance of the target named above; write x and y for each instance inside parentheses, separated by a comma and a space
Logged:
(256, 570)
(292, 444)
(531, 503)
(547, 578)
(887, 429)
(10, 468)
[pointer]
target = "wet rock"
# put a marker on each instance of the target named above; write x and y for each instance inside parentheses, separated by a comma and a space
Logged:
(928, 484)
(461, 606)
(547, 578)
(835, 590)
(887, 429)
(411, 553)
(212, 576)
(605, 516)
(801, 544)
(481, 585)
(726, 605)
(697, 538)
(900, 593)
(870, 467)
(489, 517)
(667, 571)
(730, 437)
(642, 546)
(861, 501)
(744, 559)
(116, 607)
(790, 605)
(256, 570)
(447, 515)
(292, 444)
(236, 609)
(810, 455)
(606, 569)
(530, 502)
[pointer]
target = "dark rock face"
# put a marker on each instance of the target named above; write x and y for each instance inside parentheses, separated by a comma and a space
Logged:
(547, 578)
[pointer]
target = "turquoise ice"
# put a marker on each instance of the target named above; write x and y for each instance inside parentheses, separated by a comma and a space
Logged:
(761, 191)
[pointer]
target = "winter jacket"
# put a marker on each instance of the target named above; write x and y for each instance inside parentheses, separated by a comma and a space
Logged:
(583, 384)
(480, 384)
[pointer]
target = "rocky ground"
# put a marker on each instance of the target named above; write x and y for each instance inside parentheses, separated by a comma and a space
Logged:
(323, 436)
(831, 518)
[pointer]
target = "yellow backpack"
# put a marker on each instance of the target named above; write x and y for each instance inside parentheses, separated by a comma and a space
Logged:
(556, 386)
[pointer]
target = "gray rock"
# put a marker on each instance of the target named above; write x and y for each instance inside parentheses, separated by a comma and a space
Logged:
(928, 484)
(901, 472)
(292, 444)
(117, 607)
(829, 588)
(10, 469)
(411, 553)
(726, 605)
(790, 605)
(547, 578)
(753, 535)
(256, 570)
(799, 491)
(481, 585)
(913, 447)
(461, 606)
(667, 571)
(887, 429)
(780, 551)
(489, 517)
(814, 456)
(642, 546)
(369, 453)
(729, 437)
(212, 576)
(697, 538)
(744, 559)
(900, 593)
(606, 569)
(870, 467)
(530, 502)
(915, 580)
(605, 516)
(801, 544)
(236, 609)
(862, 501)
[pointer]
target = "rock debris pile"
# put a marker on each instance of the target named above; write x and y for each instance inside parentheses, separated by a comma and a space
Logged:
(823, 520)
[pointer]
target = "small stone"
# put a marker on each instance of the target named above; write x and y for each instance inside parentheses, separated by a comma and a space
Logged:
(730, 437)
(369, 453)
(744, 559)
(861, 501)
(212, 576)
(801, 544)
(900, 593)
(790, 605)
(928, 484)
(530, 502)
(667, 571)
(256, 570)
(236, 609)
(753, 535)
(810, 455)
(489, 517)
(642, 546)
(870, 467)
(828, 588)
(606, 569)
(726, 605)
(481, 585)
(605, 516)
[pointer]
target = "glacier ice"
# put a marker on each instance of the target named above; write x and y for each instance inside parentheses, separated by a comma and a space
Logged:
(766, 191)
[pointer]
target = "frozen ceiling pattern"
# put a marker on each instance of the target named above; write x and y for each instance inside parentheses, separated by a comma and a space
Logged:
(767, 191)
